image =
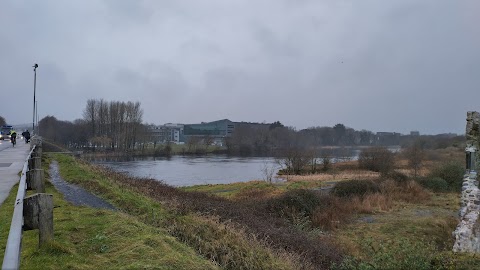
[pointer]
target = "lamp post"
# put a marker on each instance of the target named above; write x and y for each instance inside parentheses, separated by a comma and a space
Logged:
(35, 66)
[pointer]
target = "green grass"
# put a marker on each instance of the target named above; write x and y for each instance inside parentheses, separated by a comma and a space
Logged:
(257, 188)
(233, 189)
(87, 238)
(218, 241)
(405, 231)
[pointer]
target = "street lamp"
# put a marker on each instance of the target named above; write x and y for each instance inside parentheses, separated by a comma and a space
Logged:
(34, 87)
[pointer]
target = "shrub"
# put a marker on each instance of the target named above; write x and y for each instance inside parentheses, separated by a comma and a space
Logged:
(451, 172)
(355, 188)
(295, 201)
(398, 177)
(411, 192)
(332, 213)
(435, 184)
(372, 203)
(377, 159)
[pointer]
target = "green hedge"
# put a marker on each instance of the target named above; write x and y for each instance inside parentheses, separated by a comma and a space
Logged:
(451, 172)
(435, 184)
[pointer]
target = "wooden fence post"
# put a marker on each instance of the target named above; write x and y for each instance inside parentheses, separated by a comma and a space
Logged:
(29, 179)
(35, 180)
(38, 214)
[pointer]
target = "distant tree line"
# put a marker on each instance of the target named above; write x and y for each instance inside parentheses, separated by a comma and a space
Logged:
(117, 126)
(262, 139)
(111, 125)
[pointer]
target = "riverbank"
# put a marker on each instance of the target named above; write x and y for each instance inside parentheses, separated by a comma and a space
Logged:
(257, 225)
(90, 238)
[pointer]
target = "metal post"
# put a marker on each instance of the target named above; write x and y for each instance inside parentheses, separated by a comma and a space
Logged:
(36, 114)
(34, 90)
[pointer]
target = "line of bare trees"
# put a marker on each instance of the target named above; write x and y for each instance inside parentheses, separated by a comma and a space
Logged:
(113, 124)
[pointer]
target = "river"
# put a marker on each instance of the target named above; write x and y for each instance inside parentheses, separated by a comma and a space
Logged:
(190, 170)
(200, 170)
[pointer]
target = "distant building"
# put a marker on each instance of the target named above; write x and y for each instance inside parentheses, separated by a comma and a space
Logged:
(215, 131)
(387, 138)
(221, 128)
(166, 133)
(414, 133)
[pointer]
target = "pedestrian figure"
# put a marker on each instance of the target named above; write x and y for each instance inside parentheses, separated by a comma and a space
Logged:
(26, 136)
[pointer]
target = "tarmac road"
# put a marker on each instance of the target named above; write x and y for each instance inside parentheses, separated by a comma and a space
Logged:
(11, 163)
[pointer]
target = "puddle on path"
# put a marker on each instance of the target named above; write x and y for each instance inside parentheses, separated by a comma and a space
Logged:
(75, 194)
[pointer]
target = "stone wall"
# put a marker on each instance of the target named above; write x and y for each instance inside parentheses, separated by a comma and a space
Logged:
(473, 134)
(467, 233)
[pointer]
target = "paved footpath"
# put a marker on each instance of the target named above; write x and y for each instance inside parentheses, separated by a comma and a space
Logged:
(11, 163)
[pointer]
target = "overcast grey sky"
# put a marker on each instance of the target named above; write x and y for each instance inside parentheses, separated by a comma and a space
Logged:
(386, 65)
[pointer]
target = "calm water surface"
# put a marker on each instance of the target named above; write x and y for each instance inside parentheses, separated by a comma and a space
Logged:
(189, 171)
(218, 169)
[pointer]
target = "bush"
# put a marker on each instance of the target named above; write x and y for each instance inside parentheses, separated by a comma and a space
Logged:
(377, 159)
(355, 188)
(298, 200)
(451, 172)
(398, 177)
(435, 184)
(332, 213)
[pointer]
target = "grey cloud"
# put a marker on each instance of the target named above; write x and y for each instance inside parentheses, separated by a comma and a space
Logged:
(381, 65)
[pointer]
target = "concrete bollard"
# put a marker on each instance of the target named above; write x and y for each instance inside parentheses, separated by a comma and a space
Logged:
(38, 214)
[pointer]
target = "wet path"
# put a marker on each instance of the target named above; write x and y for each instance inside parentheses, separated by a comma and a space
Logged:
(75, 194)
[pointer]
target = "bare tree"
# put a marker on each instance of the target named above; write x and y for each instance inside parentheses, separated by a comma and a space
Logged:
(268, 171)
(2, 121)
(192, 143)
(293, 155)
(207, 141)
(120, 122)
(90, 114)
(415, 156)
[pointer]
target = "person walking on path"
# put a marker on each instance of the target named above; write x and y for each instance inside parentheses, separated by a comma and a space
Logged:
(26, 135)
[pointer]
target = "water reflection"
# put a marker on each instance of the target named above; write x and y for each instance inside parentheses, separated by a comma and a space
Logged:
(190, 170)
(214, 169)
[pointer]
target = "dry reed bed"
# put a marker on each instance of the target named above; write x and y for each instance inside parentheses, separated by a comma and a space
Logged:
(343, 175)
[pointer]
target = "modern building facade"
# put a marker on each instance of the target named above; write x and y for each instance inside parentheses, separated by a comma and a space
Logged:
(221, 128)
(166, 133)
(215, 131)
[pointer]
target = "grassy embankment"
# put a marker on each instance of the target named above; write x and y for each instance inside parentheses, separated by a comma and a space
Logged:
(87, 238)
(141, 236)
